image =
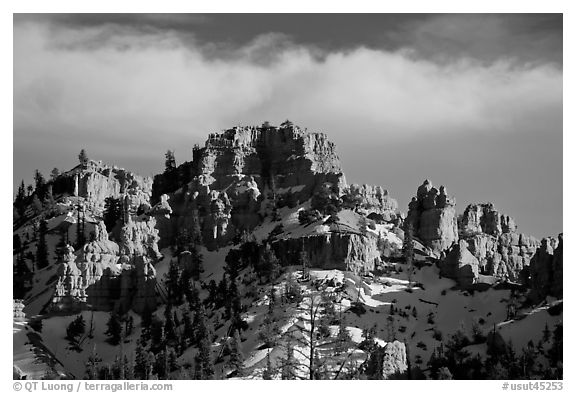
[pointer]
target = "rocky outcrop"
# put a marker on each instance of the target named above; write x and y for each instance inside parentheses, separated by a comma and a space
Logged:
(484, 218)
(394, 362)
(69, 285)
(97, 181)
(140, 237)
(460, 264)
(433, 217)
(556, 287)
(345, 251)
(243, 167)
(106, 275)
(546, 269)
(368, 199)
(493, 240)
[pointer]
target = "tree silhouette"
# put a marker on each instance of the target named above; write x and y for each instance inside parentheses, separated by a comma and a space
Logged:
(83, 158)
(42, 248)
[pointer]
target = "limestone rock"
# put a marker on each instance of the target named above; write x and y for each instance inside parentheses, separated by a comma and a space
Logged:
(433, 217)
(69, 284)
(140, 237)
(368, 199)
(162, 208)
(394, 363)
(460, 264)
(106, 275)
(243, 167)
(97, 181)
(546, 269)
(484, 218)
(556, 287)
(492, 238)
(345, 251)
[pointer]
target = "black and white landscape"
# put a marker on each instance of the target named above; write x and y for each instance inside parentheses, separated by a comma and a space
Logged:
(170, 222)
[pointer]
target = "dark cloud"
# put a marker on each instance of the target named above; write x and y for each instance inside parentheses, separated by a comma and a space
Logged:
(440, 37)
(488, 129)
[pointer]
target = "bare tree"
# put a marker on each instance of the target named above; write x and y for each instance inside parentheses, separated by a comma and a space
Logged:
(313, 343)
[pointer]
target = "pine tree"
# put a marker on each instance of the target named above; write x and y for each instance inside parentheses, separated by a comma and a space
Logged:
(76, 328)
(112, 212)
(236, 358)
(22, 274)
(40, 184)
(92, 364)
(224, 296)
(203, 328)
(49, 202)
(193, 297)
(196, 230)
(287, 367)
(235, 305)
(170, 163)
(42, 248)
(114, 329)
(269, 265)
(19, 201)
(204, 365)
(172, 280)
(83, 158)
(157, 334)
(169, 325)
(36, 205)
(233, 264)
(343, 338)
(188, 331)
(142, 366)
(546, 333)
(197, 263)
(305, 260)
(146, 324)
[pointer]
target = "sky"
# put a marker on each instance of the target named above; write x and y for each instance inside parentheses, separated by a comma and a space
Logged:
(469, 101)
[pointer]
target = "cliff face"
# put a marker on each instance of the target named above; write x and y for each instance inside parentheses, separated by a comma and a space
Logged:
(484, 218)
(238, 169)
(278, 158)
(433, 217)
(108, 275)
(246, 173)
(345, 251)
(493, 240)
(546, 269)
(370, 200)
(460, 264)
(97, 181)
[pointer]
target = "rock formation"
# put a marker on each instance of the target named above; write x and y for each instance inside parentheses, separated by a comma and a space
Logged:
(108, 275)
(394, 363)
(433, 217)
(493, 240)
(96, 181)
(368, 199)
(460, 264)
(484, 218)
(242, 167)
(546, 269)
(245, 174)
(334, 250)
